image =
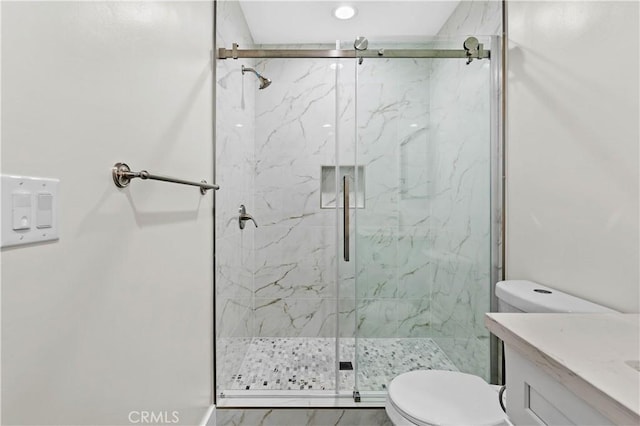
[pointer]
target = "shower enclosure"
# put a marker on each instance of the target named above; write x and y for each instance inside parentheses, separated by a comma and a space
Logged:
(371, 179)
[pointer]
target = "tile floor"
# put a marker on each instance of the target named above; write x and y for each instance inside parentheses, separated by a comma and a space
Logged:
(309, 363)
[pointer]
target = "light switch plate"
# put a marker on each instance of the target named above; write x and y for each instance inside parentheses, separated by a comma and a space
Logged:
(37, 215)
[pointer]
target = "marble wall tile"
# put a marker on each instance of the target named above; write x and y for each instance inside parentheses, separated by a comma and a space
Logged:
(302, 417)
(295, 261)
(387, 317)
(415, 317)
(347, 317)
(414, 265)
(234, 317)
(393, 122)
(235, 266)
(294, 317)
(460, 206)
(377, 260)
(377, 318)
(235, 110)
(235, 113)
(456, 284)
(346, 108)
(476, 17)
(296, 245)
(296, 250)
(469, 354)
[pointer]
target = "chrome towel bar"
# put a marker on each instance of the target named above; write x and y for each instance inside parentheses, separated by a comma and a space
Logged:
(122, 175)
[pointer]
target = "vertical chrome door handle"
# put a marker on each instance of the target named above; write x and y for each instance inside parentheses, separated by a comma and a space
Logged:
(345, 217)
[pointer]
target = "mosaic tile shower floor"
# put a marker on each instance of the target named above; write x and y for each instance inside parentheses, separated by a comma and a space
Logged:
(308, 363)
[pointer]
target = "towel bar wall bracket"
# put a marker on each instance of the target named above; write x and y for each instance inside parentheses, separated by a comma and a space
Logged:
(122, 175)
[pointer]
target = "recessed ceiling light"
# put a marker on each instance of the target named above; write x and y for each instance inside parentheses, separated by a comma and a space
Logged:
(344, 12)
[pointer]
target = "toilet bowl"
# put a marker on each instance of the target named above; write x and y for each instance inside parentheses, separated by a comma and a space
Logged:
(438, 398)
(435, 398)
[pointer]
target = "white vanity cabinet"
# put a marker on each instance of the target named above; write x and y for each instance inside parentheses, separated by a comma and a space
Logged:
(570, 369)
(536, 398)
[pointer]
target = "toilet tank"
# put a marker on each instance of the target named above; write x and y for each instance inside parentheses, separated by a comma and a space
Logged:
(527, 296)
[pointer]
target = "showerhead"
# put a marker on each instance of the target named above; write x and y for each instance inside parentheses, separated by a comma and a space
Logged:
(264, 82)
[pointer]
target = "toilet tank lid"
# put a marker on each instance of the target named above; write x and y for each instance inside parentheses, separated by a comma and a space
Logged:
(532, 297)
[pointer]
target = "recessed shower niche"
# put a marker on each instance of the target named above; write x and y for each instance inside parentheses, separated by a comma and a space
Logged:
(328, 188)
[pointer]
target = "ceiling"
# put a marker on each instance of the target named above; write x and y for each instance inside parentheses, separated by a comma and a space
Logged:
(312, 21)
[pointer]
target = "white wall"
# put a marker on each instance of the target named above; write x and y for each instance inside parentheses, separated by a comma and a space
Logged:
(116, 316)
(572, 148)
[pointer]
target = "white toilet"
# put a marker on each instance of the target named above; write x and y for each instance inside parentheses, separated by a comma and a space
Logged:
(438, 398)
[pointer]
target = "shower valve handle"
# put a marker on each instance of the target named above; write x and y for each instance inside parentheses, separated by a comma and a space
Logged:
(244, 216)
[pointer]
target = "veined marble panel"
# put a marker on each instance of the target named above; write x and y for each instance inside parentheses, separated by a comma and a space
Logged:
(377, 318)
(295, 135)
(235, 130)
(394, 317)
(346, 102)
(234, 266)
(295, 317)
(457, 284)
(234, 317)
(347, 270)
(393, 122)
(415, 317)
(296, 243)
(469, 354)
(477, 17)
(302, 417)
(295, 262)
(414, 266)
(347, 316)
(377, 260)
(460, 205)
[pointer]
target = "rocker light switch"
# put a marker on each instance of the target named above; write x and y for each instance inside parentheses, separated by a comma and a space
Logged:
(21, 209)
(44, 213)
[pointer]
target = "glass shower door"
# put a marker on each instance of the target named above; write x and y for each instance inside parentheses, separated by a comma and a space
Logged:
(422, 238)
(370, 183)
(276, 301)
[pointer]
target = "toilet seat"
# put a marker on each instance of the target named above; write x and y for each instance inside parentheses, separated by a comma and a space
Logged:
(438, 398)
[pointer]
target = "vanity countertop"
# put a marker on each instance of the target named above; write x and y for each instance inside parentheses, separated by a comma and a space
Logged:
(595, 356)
